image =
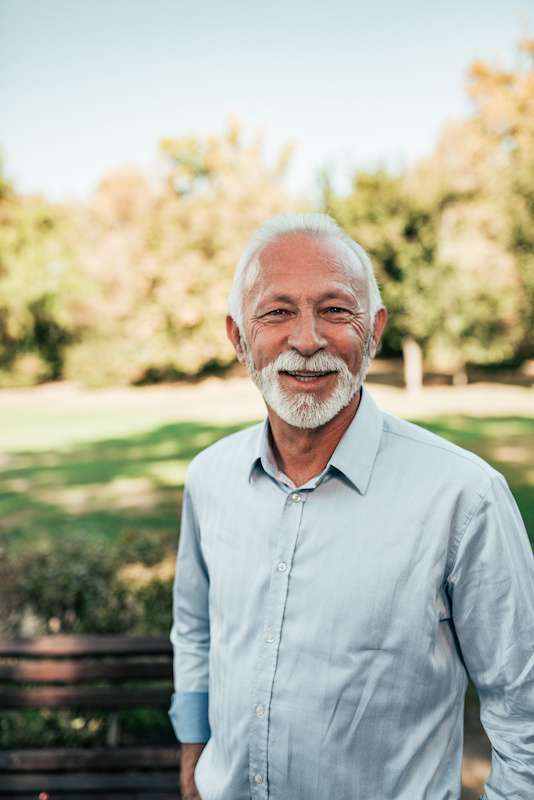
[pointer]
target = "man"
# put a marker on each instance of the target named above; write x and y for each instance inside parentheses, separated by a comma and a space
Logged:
(341, 571)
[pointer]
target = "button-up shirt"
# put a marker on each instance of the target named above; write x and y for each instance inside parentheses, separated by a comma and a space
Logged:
(324, 633)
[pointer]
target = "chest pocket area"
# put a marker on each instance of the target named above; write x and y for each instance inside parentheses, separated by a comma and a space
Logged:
(220, 544)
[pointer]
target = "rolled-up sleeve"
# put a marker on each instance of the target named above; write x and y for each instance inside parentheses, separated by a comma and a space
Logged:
(190, 633)
(491, 585)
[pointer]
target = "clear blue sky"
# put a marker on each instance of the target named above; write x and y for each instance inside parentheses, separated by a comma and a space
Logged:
(87, 86)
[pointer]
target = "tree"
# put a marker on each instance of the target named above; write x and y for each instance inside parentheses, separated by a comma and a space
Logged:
(485, 166)
(162, 250)
(399, 232)
(504, 116)
(41, 291)
(453, 237)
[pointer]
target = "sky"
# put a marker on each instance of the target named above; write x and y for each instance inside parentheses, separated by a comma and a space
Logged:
(86, 87)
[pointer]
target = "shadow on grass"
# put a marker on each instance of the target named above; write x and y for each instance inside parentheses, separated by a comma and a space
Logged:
(134, 482)
(103, 488)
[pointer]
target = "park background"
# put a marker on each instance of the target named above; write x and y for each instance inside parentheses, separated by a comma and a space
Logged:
(141, 146)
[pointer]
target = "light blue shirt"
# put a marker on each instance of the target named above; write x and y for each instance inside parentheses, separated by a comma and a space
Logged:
(323, 634)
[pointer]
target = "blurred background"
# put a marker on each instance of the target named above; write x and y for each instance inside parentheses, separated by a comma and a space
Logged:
(141, 145)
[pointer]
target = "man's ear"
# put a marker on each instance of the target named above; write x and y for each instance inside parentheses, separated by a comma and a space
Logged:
(234, 334)
(381, 317)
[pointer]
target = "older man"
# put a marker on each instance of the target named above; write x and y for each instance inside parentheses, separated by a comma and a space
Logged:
(340, 571)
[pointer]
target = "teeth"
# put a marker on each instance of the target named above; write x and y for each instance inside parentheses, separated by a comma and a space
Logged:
(307, 376)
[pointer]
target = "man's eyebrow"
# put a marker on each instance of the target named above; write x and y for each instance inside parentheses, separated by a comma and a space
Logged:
(332, 295)
(277, 298)
(339, 295)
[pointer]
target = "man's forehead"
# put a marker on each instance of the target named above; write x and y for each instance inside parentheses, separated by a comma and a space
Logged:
(315, 247)
(310, 254)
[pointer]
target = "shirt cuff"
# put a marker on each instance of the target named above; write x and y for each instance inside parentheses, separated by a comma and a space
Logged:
(189, 716)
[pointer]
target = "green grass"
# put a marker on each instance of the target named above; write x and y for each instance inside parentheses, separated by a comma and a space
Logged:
(106, 475)
(102, 488)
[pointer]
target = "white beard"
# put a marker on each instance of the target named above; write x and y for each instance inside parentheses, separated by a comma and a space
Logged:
(304, 409)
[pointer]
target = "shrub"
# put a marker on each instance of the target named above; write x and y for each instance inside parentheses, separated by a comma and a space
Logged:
(75, 585)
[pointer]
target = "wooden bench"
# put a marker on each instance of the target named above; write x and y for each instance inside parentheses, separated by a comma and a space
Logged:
(93, 673)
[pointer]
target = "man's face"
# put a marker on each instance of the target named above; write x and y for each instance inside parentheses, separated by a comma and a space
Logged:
(307, 338)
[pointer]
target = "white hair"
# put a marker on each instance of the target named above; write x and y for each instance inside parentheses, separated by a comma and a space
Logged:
(316, 224)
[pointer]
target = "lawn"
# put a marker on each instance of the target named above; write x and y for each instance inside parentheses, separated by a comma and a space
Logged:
(108, 476)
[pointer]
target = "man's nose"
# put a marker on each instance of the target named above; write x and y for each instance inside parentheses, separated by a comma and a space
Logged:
(305, 335)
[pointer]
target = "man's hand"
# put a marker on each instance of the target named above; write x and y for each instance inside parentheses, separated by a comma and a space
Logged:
(190, 753)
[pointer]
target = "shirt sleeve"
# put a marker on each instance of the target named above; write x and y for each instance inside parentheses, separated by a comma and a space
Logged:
(190, 634)
(491, 585)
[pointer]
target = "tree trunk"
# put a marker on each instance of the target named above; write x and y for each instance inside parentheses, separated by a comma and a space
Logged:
(459, 377)
(412, 356)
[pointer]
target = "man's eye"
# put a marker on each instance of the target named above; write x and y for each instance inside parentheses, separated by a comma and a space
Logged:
(336, 310)
(277, 312)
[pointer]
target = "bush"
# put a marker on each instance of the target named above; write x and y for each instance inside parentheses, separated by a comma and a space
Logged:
(70, 586)
(74, 585)
(27, 369)
(100, 361)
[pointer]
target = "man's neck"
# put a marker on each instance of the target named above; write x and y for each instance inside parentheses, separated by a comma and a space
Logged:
(302, 453)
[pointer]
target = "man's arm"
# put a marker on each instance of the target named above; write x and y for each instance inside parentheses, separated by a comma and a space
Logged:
(492, 589)
(190, 636)
(190, 753)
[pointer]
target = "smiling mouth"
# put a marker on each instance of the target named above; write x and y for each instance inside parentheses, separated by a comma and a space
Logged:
(305, 376)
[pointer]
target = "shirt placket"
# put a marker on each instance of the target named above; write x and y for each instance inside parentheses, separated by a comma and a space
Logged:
(272, 632)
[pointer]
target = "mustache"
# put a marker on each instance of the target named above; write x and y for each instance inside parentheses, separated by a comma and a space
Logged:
(292, 361)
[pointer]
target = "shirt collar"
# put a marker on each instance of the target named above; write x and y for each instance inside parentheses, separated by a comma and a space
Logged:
(355, 453)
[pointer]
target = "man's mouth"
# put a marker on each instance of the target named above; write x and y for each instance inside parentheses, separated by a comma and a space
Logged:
(306, 375)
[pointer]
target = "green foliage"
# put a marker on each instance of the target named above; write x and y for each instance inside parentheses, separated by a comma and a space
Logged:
(485, 166)
(163, 253)
(400, 234)
(504, 102)
(50, 728)
(424, 245)
(41, 291)
(24, 369)
(78, 585)
(104, 360)
(452, 238)
(131, 286)
(72, 588)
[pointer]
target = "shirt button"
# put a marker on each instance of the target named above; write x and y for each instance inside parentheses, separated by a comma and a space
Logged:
(296, 498)
(258, 778)
(260, 710)
(282, 566)
(269, 637)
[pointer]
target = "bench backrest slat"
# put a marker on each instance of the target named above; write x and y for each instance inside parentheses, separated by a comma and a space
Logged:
(99, 697)
(98, 758)
(80, 671)
(59, 782)
(65, 646)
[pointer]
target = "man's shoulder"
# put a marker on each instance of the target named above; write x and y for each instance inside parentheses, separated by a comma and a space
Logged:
(428, 449)
(231, 452)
